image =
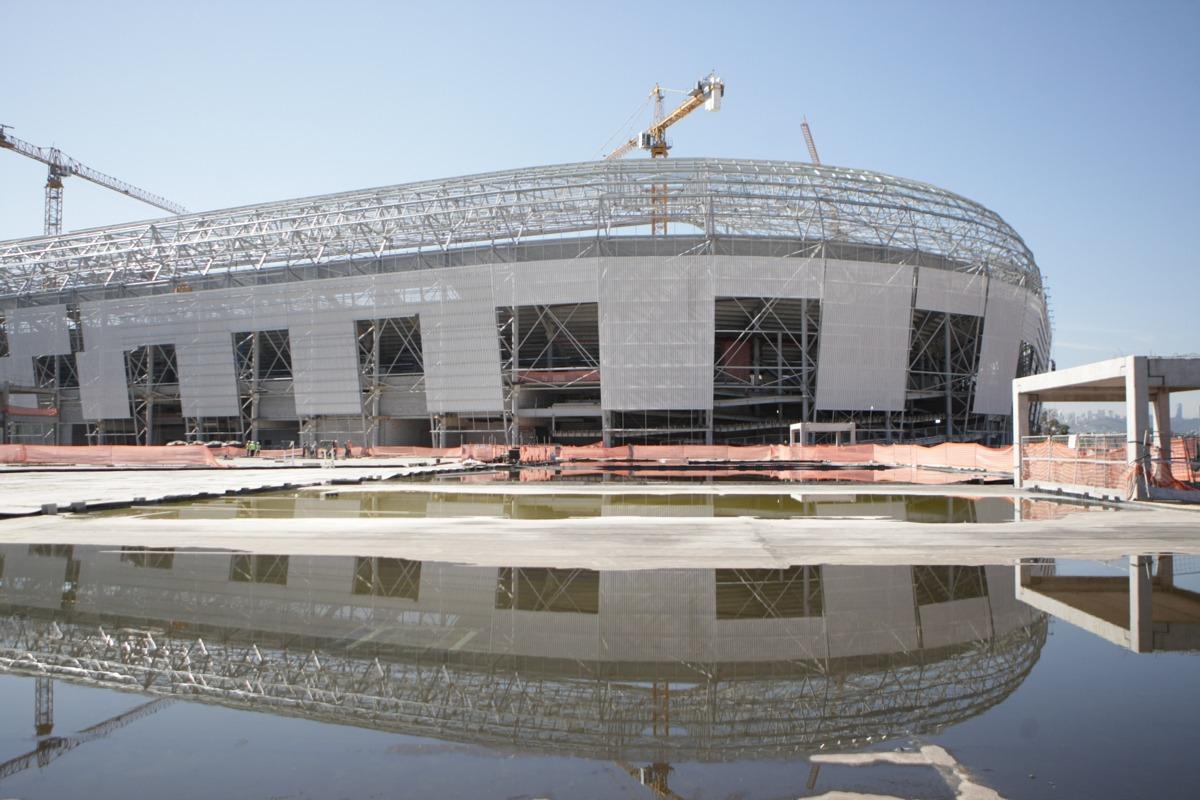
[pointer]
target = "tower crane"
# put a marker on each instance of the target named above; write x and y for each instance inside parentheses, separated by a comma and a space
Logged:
(708, 93)
(63, 166)
(809, 143)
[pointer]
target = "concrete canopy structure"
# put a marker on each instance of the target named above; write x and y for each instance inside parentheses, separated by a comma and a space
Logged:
(1143, 383)
(534, 305)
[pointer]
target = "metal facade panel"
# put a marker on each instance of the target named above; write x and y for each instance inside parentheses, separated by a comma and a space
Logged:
(102, 388)
(951, 292)
(32, 332)
(866, 317)
(402, 401)
(325, 369)
(207, 378)
(1003, 324)
(17, 370)
(869, 610)
(570, 280)
(758, 276)
(461, 346)
(38, 331)
(669, 618)
(656, 333)
(1036, 327)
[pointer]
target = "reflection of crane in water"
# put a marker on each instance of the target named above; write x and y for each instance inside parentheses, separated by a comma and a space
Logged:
(43, 693)
(653, 777)
(51, 747)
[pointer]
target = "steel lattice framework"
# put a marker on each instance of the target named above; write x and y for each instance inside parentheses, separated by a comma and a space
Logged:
(594, 710)
(709, 197)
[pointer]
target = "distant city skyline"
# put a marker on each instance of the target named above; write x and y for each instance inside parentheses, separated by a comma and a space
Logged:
(1112, 419)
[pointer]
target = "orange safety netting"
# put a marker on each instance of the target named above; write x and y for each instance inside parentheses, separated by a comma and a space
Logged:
(108, 455)
(557, 376)
(1052, 461)
(29, 411)
(476, 452)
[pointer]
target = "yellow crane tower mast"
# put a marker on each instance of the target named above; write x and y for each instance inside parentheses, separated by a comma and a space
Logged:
(708, 93)
(63, 166)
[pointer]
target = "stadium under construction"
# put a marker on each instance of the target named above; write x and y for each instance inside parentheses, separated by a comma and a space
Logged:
(658, 301)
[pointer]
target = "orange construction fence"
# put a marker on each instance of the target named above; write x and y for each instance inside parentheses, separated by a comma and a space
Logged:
(476, 452)
(116, 455)
(953, 455)
(1107, 467)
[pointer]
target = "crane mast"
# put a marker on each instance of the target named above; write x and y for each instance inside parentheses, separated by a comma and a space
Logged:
(60, 166)
(809, 143)
(708, 93)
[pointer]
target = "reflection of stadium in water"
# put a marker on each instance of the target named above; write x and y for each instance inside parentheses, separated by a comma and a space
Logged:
(653, 665)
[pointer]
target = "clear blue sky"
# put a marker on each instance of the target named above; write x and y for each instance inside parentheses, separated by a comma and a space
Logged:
(1078, 122)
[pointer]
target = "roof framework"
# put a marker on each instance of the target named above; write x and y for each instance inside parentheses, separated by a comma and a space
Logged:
(586, 709)
(711, 197)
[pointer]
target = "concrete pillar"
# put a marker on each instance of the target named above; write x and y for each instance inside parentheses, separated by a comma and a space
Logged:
(1021, 406)
(1137, 401)
(1161, 406)
(1166, 571)
(1141, 630)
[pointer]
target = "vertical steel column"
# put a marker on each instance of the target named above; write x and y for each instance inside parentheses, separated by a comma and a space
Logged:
(43, 706)
(948, 377)
(514, 375)
(804, 359)
(376, 409)
(149, 388)
(779, 363)
(255, 359)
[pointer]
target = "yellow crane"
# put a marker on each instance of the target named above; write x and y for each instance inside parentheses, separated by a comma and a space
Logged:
(708, 93)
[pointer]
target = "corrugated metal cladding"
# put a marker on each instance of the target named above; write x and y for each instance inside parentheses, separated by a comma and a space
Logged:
(38, 331)
(461, 348)
(656, 333)
(103, 392)
(207, 378)
(656, 330)
(866, 316)
(325, 368)
(1003, 326)
(951, 292)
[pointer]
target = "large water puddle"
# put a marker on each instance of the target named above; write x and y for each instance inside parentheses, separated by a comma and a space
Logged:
(195, 674)
(565, 504)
